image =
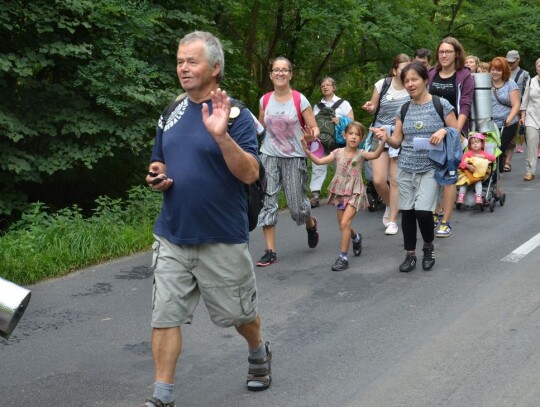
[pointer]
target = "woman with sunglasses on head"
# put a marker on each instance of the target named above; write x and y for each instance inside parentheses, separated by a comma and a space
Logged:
(451, 80)
(287, 116)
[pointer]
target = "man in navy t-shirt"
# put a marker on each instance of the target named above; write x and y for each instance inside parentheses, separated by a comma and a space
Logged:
(204, 154)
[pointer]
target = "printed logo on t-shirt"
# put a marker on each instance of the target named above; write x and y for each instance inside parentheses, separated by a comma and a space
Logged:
(281, 131)
(176, 114)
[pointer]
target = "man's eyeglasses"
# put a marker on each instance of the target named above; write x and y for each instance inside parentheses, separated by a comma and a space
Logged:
(446, 52)
(280, 71)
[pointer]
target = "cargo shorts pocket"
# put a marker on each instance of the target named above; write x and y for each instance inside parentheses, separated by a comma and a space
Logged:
(248, 296)
(155, 253)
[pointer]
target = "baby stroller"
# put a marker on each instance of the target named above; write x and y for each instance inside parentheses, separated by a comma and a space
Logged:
(491, 191)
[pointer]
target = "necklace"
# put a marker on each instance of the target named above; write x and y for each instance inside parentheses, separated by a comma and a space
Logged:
(497, 87)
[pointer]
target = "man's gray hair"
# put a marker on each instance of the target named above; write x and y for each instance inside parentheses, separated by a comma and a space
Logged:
(332, 81)
(213, 49)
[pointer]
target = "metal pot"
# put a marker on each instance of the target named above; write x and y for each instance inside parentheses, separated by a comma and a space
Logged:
(13, 302)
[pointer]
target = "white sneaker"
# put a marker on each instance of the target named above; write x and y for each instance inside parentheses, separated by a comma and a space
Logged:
(386, 216)
(391, 229)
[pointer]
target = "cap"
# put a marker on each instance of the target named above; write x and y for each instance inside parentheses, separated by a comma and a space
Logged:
(512, 56)
(479, 136)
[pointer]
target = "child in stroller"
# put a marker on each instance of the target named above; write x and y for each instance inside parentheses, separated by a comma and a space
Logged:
(478, 168)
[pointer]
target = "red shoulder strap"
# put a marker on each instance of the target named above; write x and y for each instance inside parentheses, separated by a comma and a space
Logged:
(266, 98)
(296, 100)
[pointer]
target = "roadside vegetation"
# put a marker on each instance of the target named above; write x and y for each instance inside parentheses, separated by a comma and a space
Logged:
(44, 245)
(83, 83)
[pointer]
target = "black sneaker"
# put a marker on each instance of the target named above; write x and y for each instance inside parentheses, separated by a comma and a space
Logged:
(408, 264)
(428, 261)
(268, 258)
(313, 235)
(357, 246)
(340, 264)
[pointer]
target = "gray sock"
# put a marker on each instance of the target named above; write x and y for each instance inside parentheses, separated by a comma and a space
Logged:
(163, 392)
(258, 353)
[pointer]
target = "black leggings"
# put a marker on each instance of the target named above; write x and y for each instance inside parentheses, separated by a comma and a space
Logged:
(507, 136)
(408, 226)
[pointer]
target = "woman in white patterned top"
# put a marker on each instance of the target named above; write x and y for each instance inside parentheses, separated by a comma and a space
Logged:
(530, 118)
(384, 168)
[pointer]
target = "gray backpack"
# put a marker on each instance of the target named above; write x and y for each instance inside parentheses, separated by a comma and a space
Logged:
(326, 125)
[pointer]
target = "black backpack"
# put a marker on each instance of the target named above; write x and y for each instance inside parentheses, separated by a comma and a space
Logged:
(255, 191)
(436, 103)
(385, 86)
(326, 125)
(255, 194)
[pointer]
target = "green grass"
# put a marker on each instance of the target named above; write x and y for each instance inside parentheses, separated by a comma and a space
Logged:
(43, 245)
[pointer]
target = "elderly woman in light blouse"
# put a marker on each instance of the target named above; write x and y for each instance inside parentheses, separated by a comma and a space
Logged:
(530, 118)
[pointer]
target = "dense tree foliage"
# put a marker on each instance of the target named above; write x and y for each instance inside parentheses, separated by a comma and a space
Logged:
(82, 81)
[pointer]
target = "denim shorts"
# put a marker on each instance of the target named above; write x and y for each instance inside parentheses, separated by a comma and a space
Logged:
(222, 274)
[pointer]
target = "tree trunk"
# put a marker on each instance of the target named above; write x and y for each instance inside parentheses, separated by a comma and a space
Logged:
(316, 76)
(455, 10)
(250, 50)
(278, 33)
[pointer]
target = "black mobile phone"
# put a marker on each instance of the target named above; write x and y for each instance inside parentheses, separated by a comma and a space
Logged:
(156, 181)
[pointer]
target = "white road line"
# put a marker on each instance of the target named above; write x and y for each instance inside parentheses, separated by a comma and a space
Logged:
(523, 250)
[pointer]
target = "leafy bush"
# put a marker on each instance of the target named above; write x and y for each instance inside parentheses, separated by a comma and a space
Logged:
(43, 245)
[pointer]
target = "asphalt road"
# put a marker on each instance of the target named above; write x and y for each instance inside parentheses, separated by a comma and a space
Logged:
(464, 334)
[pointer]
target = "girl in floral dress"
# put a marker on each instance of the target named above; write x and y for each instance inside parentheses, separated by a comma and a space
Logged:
(347, 190)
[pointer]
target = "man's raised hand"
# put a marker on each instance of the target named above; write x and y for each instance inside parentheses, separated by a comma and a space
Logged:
(216, 123)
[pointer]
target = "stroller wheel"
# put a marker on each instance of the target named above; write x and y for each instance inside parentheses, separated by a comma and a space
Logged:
(502, 199)
(492, 204)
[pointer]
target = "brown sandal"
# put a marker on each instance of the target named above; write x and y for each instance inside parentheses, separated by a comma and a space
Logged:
(260, 378)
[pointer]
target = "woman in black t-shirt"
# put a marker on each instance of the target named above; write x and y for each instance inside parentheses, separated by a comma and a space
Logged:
(452, 80)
